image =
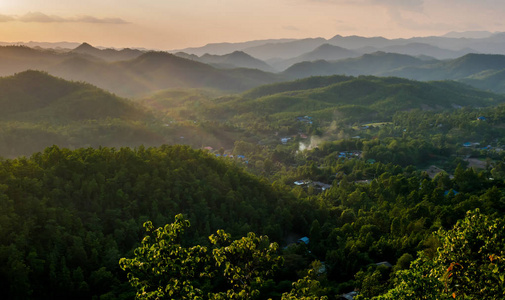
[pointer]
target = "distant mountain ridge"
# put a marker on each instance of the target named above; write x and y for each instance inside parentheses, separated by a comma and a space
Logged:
(450, 46)
(368, 64)
(146, 73)
(107, 54)
(236, 59)
(133, 73)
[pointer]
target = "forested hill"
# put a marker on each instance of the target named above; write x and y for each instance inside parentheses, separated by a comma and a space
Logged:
(68, 216)
(349, 99)
(37, 96)
(38, 110)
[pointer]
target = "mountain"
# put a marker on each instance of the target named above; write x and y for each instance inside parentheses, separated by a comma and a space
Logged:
(456, 69)
(324, 52)
(369, 64)
(187, 56)
(267, 50)
(237, 59)
(224, 48)
(489, 80)
(356, 42)
(418, 49)
(37, 96)
(38, 110)
(107, 54)
(344, 99)
(146, 73)
(283, 49)
(153, 71)
(15, 59)
(45, 45)
(468, 34)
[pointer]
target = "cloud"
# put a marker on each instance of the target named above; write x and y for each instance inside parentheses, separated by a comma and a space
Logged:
(403, 4)
(5, 18)
(410, 23)
(398, 3)
(90, 19)
(38, 17)
(291, 28)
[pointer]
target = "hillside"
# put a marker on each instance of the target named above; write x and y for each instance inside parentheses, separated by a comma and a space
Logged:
(107, 54)
(155, 71)
(376, 63)
(456, 69)
(237, 59)
(489, 80)
(35, 96)
(346, 100)
(38, 110)
(324, 52)
(131, 73)
(82, 210)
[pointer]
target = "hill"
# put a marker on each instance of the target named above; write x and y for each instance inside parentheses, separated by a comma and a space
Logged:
(82, 210)
(457, 69)
(489, 80)
(154, 71)
(347, 100)
(289, 48)
(376, 63)
(148, 72)
(237, 59)
(418, 49)
(324, 52)
(284, 49)
(38, 110)
(36, 96)
(107, 54)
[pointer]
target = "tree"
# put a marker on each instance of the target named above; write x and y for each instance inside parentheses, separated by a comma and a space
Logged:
(470, 264)
(165, 269)
(162, 268)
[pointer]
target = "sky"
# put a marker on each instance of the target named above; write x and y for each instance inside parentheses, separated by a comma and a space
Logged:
(177, 24)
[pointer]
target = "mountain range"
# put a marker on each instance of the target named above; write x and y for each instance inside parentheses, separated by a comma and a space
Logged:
(449, 46)
(136, 73)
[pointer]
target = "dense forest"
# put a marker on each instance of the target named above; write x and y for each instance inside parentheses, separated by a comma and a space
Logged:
(319, 188)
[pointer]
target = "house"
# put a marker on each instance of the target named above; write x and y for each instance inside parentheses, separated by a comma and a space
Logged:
(304, 240)
(322, 185)
(449, 191)
(348, 296)
(481, 118)
(301, 182)
(384, 263)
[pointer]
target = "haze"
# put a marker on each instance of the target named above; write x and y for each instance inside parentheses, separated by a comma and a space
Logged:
(162, 24)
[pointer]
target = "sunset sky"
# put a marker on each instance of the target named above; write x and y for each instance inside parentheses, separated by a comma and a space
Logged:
(174, 24)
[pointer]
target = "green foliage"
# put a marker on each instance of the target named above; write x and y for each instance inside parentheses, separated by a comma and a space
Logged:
(66, 217)
(163, 269)
(468, 265)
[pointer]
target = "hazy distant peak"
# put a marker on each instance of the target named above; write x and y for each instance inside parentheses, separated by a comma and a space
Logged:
(156, 55)
(85, 46)
(468, 34)
(327, 46)
(239, 53)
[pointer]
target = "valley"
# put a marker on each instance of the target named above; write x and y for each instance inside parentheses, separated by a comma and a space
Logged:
(348, 166)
